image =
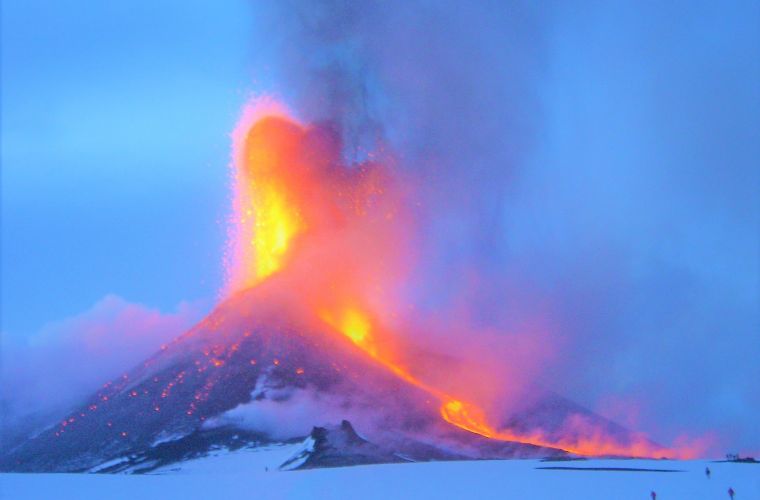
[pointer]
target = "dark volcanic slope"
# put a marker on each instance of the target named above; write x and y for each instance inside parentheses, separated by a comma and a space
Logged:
(197, 444)
(250, 343)
(211, 369)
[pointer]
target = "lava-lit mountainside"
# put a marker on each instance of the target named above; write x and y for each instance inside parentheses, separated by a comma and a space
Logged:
(211, 369)
(319, 256)
(217, 366)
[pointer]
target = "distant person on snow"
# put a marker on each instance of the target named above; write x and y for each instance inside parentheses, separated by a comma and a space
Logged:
(707, 472)
(731, 493)
(653, 495)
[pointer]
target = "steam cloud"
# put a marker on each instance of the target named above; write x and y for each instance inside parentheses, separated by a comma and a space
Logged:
(67, 360)
(289, 418)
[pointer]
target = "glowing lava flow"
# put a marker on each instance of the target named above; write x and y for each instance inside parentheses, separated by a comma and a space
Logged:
(473, 419)
(353, 325)
(357, 328)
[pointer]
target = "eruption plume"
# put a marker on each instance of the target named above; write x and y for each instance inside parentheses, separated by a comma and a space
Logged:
(333, 242)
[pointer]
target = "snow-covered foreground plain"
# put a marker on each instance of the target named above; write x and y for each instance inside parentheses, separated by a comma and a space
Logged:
(252, 474)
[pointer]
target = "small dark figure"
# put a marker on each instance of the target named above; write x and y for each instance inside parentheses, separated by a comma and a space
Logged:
(707, 472)
(731, 493)
(653, 495)
(266, 469)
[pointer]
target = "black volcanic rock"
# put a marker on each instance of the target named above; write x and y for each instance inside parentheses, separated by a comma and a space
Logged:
(338, 447)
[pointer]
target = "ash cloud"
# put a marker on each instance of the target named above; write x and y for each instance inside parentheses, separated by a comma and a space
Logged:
(287, 416)
(584, 171)
(286, 412)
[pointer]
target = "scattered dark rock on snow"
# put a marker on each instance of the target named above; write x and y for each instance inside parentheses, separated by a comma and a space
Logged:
(339, 447)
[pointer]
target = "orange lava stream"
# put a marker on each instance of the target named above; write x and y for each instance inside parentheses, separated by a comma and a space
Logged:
(357, 328)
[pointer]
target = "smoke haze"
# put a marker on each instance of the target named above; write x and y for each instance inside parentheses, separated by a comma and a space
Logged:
(67, 360)
(586, 174)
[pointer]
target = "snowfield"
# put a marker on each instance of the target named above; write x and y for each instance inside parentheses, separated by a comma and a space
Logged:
(248, 474)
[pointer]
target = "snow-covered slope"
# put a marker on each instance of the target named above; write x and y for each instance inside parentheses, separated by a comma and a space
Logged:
(252, 474)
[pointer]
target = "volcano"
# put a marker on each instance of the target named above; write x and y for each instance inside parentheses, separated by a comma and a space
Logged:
(241, 353)
(319, 255)
(250, 351)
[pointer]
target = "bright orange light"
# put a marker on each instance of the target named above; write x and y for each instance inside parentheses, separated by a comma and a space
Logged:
(594, 443)
(267, 205)
(354, 325)
(466, 416)
(275, 227)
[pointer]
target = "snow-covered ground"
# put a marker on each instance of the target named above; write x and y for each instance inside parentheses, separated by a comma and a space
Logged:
(243, 475)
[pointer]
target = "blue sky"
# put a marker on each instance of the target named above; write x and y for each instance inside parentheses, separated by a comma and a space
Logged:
(602, 157)
(115, 147)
